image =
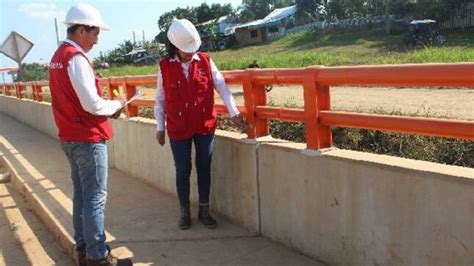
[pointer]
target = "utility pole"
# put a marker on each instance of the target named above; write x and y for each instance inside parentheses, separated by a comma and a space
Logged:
(57, 31)
(387, 16)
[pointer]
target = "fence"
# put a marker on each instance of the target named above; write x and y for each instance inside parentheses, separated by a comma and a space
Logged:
(317, 114)
(464, 18)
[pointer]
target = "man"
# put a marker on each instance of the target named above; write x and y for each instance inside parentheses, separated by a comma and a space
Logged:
(81, 116)
(254, 64)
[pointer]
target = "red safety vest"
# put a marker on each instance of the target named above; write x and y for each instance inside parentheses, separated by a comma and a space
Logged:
(189, 102)
(73, 122)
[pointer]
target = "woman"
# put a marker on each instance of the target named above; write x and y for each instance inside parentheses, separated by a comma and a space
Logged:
(185, 96)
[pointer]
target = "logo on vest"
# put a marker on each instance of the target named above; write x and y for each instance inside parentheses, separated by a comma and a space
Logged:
(55, 65)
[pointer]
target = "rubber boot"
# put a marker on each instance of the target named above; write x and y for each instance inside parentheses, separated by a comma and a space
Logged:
(185, 219)
(205, 217)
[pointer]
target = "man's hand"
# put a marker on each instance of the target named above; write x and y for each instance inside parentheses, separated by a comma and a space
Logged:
(160, 137)
(239, 121)
(121, 99)
(116, 114)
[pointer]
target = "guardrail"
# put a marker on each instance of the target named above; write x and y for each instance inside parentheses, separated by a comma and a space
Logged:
(317, 114)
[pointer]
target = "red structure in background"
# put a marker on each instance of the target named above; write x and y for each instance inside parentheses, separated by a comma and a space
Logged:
(317, 114)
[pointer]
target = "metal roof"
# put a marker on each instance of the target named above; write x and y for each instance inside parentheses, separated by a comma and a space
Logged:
(274, 16)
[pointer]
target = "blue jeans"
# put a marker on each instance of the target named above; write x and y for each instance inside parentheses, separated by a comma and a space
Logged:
(89, 167)
(182, 160)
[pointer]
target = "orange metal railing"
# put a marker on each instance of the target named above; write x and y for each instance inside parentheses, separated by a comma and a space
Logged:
(317, 114)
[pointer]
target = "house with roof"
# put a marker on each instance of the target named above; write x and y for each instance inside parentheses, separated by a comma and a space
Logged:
(259, 30)
(214, 32)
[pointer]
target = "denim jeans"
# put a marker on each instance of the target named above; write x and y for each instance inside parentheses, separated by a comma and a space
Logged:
(182, 160)
(89, 168)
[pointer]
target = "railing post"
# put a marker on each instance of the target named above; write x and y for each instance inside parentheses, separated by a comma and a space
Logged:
(17, 90)
(323, 102)
(33, 91)
(310, 109)
(254, 95)
(260, 98)
(110, 94)
(249, 105)
(316, 98)
(39, 92)
(130, 90)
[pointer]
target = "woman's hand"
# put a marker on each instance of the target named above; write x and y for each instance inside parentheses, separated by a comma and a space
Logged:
(160, 137)
(239, 121)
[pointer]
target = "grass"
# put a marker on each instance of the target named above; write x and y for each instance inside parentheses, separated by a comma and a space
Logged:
(128, 71)
(315, 48)
(432, 149)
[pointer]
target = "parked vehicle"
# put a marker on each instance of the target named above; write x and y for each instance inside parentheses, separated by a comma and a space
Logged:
(422, 33)
(141, 57)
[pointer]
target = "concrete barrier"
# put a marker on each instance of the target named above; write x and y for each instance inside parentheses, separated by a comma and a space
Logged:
(341, 207)
(134, 150)
(354, 208)
(36, 115)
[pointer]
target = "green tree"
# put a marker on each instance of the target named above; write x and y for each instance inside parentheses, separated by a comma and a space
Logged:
(255, 9)
(203, 13)
(31, 72)
(219, 10)
(336, 10)
(165, 20)
(309, 10)
(439, 9)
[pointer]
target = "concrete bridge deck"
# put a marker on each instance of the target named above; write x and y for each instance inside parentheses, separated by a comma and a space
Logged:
(141, 220)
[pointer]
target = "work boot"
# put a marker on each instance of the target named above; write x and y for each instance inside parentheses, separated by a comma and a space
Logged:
(81, 256)
(185, 220)
(109, 260)
(205, 217)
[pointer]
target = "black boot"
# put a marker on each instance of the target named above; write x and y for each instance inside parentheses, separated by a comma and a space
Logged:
(205, 217)
(185, 220)
(81, 256)
(109, 260)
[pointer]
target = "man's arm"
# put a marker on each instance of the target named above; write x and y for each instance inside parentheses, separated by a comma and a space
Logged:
(83, 82)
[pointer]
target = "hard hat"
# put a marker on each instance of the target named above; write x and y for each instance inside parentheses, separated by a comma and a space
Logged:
(184, 35)
(84, 14)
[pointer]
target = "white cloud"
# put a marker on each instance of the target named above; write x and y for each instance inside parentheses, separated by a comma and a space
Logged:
(44, 11)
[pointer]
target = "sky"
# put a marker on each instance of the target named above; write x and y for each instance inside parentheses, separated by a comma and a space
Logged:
(35, 21)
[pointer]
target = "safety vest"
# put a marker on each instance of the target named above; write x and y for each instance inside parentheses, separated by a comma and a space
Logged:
(189, 103)
(73, 122)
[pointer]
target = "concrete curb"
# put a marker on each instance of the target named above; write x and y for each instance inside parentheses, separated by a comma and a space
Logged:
(66, 241)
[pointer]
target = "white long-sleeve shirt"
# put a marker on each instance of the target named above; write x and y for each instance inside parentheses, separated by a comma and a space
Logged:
(82, 78)
(219, 85)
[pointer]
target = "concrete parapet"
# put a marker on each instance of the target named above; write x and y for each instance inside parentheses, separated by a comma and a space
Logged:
(234, 179)
(36, 115)
(134, 150)
(340, 207)
(353, 208)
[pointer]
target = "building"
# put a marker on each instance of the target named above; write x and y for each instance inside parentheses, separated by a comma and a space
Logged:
(214, 33)
(258, 30)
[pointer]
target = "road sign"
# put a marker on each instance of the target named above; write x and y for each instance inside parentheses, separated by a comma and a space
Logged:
(16, 46)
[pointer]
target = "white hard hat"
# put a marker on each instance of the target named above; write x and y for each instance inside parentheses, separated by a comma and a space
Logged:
(84, 14)
(184, 35)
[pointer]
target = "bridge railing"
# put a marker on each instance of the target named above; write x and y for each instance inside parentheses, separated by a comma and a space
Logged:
(316, 114)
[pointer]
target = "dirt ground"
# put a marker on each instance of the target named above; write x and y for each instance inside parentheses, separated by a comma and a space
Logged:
(434, 102)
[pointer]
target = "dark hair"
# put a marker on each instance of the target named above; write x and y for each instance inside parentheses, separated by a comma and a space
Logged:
(171, 49)
(73, 28)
